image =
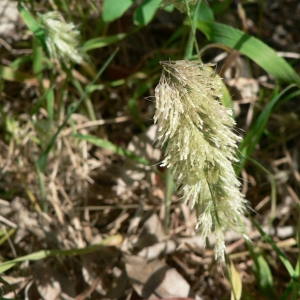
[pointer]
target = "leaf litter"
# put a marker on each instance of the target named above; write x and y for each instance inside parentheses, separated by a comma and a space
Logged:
(95, 197)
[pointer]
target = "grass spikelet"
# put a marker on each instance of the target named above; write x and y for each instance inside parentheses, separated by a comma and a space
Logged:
(201, 146)
(62, 39)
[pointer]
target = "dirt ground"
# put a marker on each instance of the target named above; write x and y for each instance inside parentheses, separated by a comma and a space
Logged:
(134, 244)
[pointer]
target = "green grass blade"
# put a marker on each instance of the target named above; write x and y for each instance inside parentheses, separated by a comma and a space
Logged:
(38, 71)
(7, 235)
(256, 131)
(226, 100)
(42, 188)
(10, 74)
(262, 272)
(289, 97)
(112, 240)
(50, 104)
(292, 292)
(65, 5)
(133, 107)
(87, 100)
(37, 58)
(297, 269)
(252, 47)
(273, 189)
(192, 36)
(235, 280)
(21, 61)
(42, 161)
(220, 6)
(170, 188)
(264, 278)
(115, 9)
(32, 24)
(204, 13)
(145, 12)
(293, 289)
(42, 99)
(281, 255)
(246, 295)
(103, 41)
(111, 147)
(133, 100)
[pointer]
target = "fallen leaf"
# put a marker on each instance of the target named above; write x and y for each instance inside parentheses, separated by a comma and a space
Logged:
(142, 146)
(52, 283)
(150, 233)
(155, 279)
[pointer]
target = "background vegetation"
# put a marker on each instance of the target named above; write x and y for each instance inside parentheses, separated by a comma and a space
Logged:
(85, 211)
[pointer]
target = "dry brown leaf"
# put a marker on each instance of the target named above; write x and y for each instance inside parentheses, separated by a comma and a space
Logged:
(118, 290)
(11, 286)
(94, 268)
(158, 249)
(155, 279)
(151, 233)
(90, 276)
(142, 146)
(32, 222)
(52, 283)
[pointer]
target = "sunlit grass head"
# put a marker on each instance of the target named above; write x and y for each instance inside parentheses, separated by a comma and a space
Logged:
(201, 145)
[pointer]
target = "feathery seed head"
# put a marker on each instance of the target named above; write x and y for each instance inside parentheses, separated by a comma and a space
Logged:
(201, 145)
(62, 39)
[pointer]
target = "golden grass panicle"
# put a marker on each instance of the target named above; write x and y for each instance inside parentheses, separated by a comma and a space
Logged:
(201, 146)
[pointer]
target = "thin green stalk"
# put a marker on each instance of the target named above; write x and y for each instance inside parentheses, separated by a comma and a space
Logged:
(87, 100)
(273, 189)
(4, 266)
(170, 188)
(42, 188)
(254, 135)
(297, 269)
(281, 255)
(7, 235)
(42, 161)
(192, 37)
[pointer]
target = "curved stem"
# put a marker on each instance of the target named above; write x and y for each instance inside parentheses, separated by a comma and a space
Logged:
(192, 37)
